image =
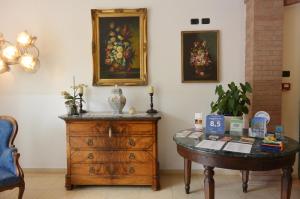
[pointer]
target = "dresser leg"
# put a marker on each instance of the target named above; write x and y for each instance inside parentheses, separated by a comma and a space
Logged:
(68, 184)
(187, 175)
(286, 183)
(155, 183)
(245, 179)
(209, 183)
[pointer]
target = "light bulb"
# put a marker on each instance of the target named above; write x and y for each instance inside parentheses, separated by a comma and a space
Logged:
(28, 62)
(10, 53)
(24, 39)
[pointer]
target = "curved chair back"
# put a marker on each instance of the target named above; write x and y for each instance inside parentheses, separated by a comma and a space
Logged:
(8, 132)
(11, 174)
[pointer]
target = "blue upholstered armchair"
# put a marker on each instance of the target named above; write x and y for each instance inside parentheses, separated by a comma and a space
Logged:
(11, 174)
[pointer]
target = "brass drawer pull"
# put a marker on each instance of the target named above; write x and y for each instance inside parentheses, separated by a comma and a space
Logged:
(90, 156)
(131, 170)
(109, 132)
(131, 142)
(122, 129)
(99, 128)
(90, 142)
(92, 170)
(131, 156)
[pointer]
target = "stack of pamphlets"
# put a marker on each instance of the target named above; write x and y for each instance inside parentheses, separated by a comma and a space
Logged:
(270, 144)
(195, 135)
(183, 134)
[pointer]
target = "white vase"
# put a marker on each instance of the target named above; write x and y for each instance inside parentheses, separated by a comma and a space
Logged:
(228, 119)
(117, 100)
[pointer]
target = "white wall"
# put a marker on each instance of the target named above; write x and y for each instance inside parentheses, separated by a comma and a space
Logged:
(291, 61)
(64, 34)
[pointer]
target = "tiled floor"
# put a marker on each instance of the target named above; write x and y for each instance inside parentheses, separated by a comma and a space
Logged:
(51, 186)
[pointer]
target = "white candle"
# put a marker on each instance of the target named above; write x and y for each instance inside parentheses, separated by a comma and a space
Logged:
(150, 89)
(199, 121)
(80, 90)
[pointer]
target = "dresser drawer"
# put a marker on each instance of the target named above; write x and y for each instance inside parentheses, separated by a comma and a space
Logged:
(110, 156)
(117, 128)
(111, 169)
(141, 128)
(117, 142)
(87, 127)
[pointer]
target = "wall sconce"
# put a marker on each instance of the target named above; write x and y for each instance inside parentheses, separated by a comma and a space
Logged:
(24, 53)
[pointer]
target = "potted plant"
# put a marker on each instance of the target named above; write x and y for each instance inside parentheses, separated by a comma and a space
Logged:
(72, 100)
(233, 102)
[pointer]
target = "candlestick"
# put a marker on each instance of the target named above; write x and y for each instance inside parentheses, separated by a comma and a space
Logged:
(80, 103)
(151, 110)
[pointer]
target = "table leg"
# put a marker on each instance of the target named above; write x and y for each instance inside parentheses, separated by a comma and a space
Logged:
(209, 183)
(187, 175)
(286, 183)
(245, 178)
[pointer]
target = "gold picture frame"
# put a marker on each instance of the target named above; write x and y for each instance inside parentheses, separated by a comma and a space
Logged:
(200, 56)
(119, 47)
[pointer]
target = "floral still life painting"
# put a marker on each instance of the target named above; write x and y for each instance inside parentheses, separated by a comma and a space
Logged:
(119, 47)
(119, 52)
(199, 56)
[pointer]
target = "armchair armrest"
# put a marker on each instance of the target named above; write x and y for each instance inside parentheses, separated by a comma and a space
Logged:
(8, 160)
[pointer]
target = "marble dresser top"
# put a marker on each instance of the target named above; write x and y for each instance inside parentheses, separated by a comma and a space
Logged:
(111, 116)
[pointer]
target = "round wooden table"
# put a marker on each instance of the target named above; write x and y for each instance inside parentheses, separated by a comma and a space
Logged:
(256, 160)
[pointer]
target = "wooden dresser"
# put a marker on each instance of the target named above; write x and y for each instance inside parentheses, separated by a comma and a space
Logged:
(107, 149)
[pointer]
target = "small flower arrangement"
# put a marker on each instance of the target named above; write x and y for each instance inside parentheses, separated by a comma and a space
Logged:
(73, 100)
(119, 52)
(200, 58)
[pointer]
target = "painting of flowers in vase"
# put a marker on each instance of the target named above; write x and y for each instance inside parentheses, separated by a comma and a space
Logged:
(119, 47)
(199, 56)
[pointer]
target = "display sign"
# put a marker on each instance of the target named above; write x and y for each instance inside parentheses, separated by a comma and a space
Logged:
(215, 124)
(258, 127)
(236, 127)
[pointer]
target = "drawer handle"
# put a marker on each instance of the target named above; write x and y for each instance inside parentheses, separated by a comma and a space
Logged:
(90, 156)
(99, 127)
(90, 142)
(131, 170)
(92, 170)
(131, 156)
(109, 132)
(122, 129)
(131, 142)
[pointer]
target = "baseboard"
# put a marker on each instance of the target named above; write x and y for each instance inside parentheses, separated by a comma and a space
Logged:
(255, 176)
(44, 170)
(198, 172)
(163, 171)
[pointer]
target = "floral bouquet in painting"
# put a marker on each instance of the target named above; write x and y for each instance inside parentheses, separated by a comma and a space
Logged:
(119, 50)
(199, 57)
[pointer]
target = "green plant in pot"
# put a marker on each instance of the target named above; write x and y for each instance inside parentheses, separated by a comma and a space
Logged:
(72, 100)
(232, 102)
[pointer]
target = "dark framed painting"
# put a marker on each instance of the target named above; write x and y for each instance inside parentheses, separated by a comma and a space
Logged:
(200, 56)
(119, 46)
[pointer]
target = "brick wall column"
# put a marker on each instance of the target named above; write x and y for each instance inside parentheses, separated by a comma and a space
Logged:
(264, 44)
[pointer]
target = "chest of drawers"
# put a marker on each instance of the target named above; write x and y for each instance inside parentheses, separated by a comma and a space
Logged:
(106, 149)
